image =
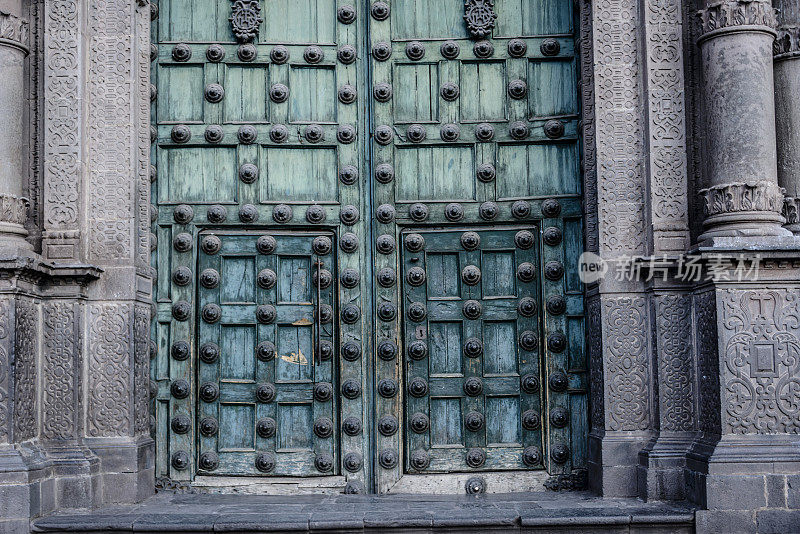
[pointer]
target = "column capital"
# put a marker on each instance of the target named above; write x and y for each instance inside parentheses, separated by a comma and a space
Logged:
(721, 14)
(742, 197)
(791, 211)
(13, 31)
(787, 44)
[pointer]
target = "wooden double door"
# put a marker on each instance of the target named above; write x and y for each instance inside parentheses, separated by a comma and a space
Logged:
(367, 219)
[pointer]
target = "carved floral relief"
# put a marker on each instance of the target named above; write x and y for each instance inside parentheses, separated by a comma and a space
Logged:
(761, 372)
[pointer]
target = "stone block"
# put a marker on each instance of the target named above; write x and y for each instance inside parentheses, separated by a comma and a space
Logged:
(776, 491)
(736, 492)
(622, 450)
(620, 481)
(145, 484)
(15, 501)
(35, 491)
(778, 521)
(14, 526)
(74, 492)
(119, 488)
(793, 491)
(48, 495)
(727, 521)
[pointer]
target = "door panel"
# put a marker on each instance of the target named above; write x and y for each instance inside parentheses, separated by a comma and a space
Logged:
(491, 151)
(266, 344)
(474, 403)
(257, 134)
(392, 129)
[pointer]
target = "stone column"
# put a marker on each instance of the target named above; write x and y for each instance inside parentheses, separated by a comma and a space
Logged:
(787, 108)
(742, 197)
(13, 101)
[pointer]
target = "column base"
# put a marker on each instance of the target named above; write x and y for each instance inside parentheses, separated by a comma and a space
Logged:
(26, 486)
(13, 214)
(127, 468)
(661, 467)
(13, 238)
(749, 224)
(613, 462)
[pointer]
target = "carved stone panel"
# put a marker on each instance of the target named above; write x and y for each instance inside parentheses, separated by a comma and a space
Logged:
(676, 386)
(141, 371)
(626, 371)
(60, 370)
(667, 125)
(109, 379)
(760, 360)
(595, 350)
(619, 120)
(63, 135)
(110, 91)
(25, 351)
(708, 361)
(5, 370)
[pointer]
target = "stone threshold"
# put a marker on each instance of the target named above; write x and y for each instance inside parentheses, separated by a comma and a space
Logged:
(518, 512)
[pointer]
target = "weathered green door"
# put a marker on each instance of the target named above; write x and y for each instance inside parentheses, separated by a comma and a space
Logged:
(265, 345)
(366, 228)
(471, 333)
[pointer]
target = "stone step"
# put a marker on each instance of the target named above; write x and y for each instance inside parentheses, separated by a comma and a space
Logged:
(522, 513)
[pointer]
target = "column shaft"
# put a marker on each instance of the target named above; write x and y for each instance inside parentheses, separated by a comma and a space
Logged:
(13, 206)
(787, 108)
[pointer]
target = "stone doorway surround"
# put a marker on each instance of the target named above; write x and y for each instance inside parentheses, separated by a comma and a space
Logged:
(695, 387)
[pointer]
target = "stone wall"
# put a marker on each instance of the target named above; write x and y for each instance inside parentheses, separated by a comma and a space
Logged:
(75, 310)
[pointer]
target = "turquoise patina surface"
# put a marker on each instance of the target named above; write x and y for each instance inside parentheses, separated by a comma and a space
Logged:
(428, 178)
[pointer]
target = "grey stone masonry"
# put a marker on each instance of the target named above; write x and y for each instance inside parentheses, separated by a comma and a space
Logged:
(520, 512)
(74, 318)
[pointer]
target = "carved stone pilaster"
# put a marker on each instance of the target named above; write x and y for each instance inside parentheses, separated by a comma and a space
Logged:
(618, 312)
(666, 110)
(115, 224)
(787, 107)
(62, 129)
(663, 460)
(742, 197)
